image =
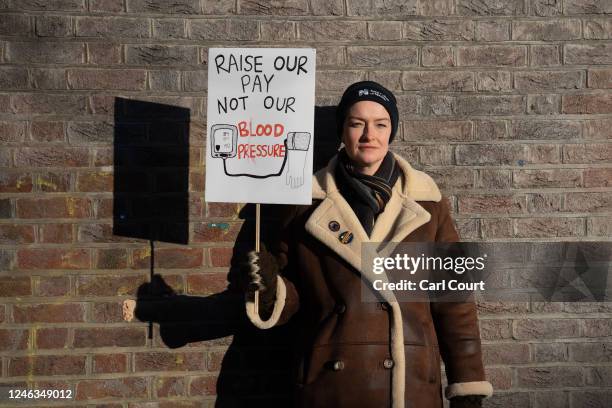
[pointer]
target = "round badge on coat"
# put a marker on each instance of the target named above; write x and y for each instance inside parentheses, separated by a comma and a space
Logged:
(346, 237)
(334, 226)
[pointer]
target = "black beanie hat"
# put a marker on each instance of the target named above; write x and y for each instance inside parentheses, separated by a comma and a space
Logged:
(367, 91)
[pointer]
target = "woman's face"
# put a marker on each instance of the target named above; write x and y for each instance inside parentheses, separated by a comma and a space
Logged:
(366, 132)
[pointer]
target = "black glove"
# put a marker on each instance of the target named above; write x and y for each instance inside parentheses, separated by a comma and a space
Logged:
(466, 401)
(259, 272)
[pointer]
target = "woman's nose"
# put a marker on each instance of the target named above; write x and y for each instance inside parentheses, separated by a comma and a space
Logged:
(367, 132)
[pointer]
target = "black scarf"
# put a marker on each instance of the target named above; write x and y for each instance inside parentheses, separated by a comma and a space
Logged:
(367, 195)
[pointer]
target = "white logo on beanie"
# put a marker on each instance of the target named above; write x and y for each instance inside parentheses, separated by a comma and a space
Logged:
(374, 92)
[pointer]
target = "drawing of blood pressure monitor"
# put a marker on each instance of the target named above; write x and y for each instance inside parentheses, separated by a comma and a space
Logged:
(224, 140)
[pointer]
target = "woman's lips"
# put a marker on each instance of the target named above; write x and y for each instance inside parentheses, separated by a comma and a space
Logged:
(367, 147)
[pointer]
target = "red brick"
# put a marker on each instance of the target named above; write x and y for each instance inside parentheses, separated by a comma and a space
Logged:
(587, 7)
(215, 360)
(591, 398)
(550, 352)
(220, 256)
(11, 340)
(133, 387)
(215, 232)
(53, 258)
(487, 204)
(588, 202)
(109, 337)
(103, 53)
(96, 181)
(587, 104)
(49, 313)
(587, 153)
(56, 233)
(597, 177)
(15, 286)
(549, 227)
(52, 157)
(206, 283)
(196, 181)
(549, 30)
(141, 258)
(52, 338)
(439, 130)
(111, 258)
(39, 103)
(179, 257)
(174, 403)
(53, 286)
(53, 181)
(103, 156)
(104, 208)
(437, 56)
(547, 178)
(591, 352)
(167, 361)
(47, 365)
(15, 183)
(499, 377)
(505, 353)
(503, 308)
(108, 285)
(548, 377)
(101, 233)
(546, 328)
(107, 312)
(110, 27)
(450, 81)
(222, 210)
(56, 207)
(53, 26)
(203, 385)
(109, 363)
(170, 386)
(46, 131)
(105, 79)
(598, 327)
(16, 234)
(492, 55)
(600, 78)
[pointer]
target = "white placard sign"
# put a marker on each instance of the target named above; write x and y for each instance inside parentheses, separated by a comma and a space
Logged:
(260, 125)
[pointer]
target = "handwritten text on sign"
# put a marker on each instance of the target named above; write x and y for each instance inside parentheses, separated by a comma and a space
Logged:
(260, 125)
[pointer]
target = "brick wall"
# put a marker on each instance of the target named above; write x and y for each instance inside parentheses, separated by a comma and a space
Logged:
(507, 104)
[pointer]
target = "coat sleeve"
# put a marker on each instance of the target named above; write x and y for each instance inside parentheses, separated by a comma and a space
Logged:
(287, 301)
(457, 330)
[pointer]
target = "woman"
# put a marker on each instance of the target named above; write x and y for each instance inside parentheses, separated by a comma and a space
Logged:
(356, 353)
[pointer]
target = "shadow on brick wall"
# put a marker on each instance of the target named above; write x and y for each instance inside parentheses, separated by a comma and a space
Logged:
(151, 171)
(259, 366)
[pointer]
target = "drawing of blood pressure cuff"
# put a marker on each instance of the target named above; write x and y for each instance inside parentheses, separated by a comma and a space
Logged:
(298, 140)
(224, 140)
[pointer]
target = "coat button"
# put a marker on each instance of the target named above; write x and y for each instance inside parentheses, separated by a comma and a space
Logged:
(334, 225)
(340, 308)
(338, 365)
(346, 237)
(388, 363)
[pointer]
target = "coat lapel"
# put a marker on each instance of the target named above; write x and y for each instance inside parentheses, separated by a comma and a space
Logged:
(401, 216)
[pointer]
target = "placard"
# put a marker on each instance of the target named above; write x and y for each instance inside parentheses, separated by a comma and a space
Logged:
(260, 120)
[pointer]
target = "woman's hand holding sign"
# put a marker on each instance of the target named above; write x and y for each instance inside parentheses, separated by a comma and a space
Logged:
(259, 272)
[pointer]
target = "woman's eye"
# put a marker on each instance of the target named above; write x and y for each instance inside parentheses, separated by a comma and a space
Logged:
(355, 124)
(382, 125)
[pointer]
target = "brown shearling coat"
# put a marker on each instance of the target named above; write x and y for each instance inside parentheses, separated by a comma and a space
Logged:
(363, 354)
